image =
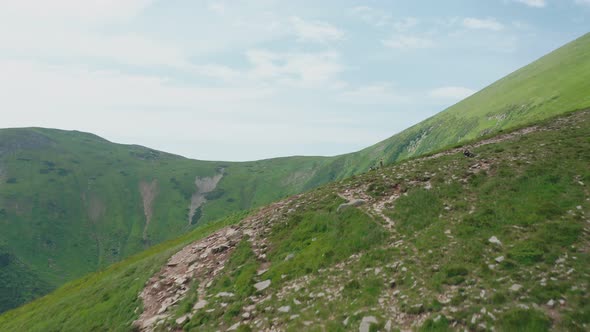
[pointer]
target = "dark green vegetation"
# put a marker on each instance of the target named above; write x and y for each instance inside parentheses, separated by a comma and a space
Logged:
(72, 203)
(104, 300)
(435, 272)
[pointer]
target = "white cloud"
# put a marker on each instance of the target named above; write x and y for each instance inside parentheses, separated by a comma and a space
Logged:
(375, 17)
(319, 32)
(533, 3)
(82, 11)
(116, 32)
(405, 42)
(452, 92)
(86, 91)
(216, 6)
(300, 69)
(405, 24)
(483, 24)
(123, 48)
(380, 18)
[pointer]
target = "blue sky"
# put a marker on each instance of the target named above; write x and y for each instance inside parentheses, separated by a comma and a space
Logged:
(245, 80)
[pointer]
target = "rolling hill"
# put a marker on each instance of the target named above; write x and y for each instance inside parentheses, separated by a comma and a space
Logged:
(443, 242)
(72, 203)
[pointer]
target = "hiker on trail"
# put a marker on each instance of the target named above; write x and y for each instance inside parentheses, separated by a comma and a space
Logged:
(381, 163)
(468, 153)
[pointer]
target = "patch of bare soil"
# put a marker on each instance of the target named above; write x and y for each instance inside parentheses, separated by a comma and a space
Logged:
(148, 191)
(94, 206)
(204, 186)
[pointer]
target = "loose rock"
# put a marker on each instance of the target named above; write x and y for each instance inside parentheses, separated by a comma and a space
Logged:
(260, 286)
(495, 240)
(366, 323)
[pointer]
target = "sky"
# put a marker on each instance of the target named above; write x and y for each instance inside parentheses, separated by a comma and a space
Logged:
(243, 80)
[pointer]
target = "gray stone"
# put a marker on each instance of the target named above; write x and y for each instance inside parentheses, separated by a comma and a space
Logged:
(182, 319)
(285, 309)
(366, 323)
(352, 203)
(220, 249)
(388, 326)
(151, 321)
(200, 305)
(260, 286)
(515, 287)
(495, 240)
(499, 259)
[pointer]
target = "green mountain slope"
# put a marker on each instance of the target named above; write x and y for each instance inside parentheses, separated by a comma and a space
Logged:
(556, 83)
(72, 203)
(443, 242)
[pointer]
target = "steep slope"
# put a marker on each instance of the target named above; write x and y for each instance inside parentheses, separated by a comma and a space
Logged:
(556, 83)
(72, 203)
(445, 242)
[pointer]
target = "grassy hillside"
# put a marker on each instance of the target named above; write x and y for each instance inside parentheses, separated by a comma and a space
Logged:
(556, 83)
(439, 243)
(72, 203)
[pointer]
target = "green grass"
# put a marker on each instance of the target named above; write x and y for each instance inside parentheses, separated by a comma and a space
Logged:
(317, 238)
(102, 301)
(525, 321)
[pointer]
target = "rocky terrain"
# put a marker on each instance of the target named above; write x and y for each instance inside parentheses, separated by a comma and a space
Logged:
(435, 259)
